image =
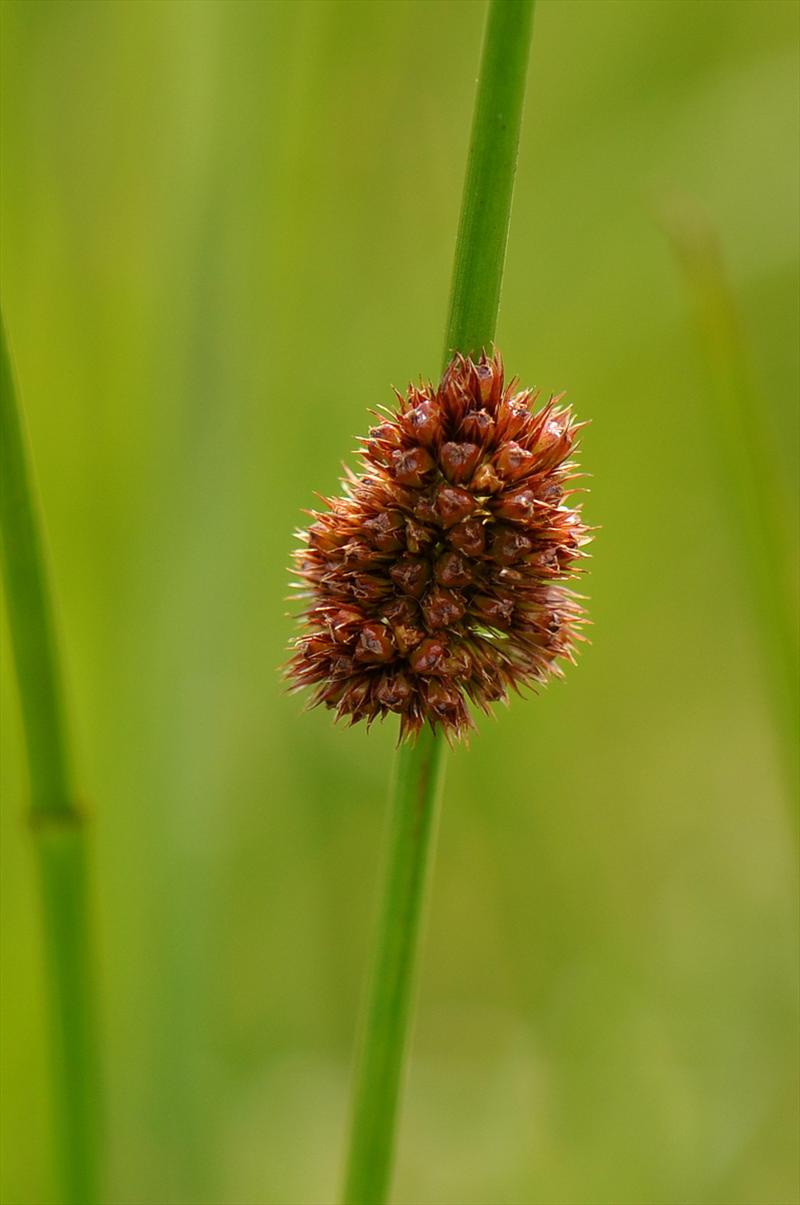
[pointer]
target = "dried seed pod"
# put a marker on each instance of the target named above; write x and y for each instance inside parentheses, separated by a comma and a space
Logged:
(411, 466)
(423, 422)
(442, 608)
(394, 691)
(410, 575)
(375, 644)
(429, 657)
(459, 460)
(510, 544)
(468, 536)
(453, 569)
(386, 530)
(477, 426)
(437, 578)
(452, 504)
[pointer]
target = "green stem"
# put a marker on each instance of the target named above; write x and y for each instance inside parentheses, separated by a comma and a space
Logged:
(56, 820)
(419, 768)
(489, 184)
(755, 494)
(415, 791)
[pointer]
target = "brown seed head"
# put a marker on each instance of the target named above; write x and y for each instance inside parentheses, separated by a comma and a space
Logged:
(437, 578)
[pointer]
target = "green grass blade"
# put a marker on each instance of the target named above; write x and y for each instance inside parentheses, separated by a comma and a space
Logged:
(754, 492)
(56, 820)
(419, 768)
(30, 614)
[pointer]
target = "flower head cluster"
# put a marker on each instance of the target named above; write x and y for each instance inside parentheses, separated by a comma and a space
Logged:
(437, 577)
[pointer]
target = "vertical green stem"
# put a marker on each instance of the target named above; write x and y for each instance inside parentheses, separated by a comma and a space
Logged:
(56, 820)
(419, 768)
(755, 493)
(415, 792)
(489, 183)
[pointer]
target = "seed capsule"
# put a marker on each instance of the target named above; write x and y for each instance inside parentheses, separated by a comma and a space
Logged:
(375, 644)
(468, 536)
(513, 461)
(394, 691)
(385, 530)
(458, 461)
(509, 544)
(429, 657)
(382, 439)
(423, 422)
(477, 426)
(453, 504)
(495, 611)
(357, 553)
(487, 381)
(366, 588)
(517, 505)
(412, 467)
(418, 536)
(441, 608)
(344, 622)
(411, 575)
(445, 701)
(403, 617)
(324, 537)
(452, 569)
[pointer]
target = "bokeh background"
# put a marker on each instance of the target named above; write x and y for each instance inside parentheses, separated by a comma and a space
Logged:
(227, 231)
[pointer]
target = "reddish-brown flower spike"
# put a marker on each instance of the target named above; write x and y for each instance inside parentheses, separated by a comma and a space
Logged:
(437, 578)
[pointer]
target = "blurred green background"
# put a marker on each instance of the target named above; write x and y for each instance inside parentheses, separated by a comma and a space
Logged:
(227, 231)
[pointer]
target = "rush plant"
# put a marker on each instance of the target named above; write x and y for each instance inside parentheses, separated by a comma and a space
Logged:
(436, 579)
(56, 818)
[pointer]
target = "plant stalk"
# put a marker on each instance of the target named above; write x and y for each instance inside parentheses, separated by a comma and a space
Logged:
(419, 767)
(57, 822)
(415, 793)
(756, 497)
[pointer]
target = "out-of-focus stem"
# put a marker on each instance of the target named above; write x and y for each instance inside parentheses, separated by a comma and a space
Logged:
(755, 492)
(57, 822)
